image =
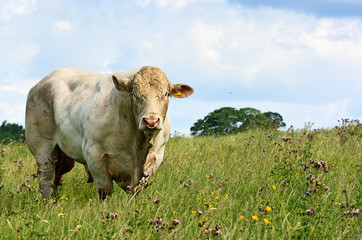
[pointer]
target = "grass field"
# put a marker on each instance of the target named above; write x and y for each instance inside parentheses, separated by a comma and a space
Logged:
(303, 184)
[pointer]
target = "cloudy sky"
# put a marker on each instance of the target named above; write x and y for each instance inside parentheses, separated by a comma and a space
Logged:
(302, 59)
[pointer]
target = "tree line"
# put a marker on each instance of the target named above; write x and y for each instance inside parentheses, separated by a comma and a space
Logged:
(11, 132)
(228, 120)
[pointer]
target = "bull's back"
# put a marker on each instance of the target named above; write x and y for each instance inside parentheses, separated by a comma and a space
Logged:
(54, 106)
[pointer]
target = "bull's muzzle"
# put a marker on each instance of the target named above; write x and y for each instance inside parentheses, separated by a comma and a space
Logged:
(150, 123)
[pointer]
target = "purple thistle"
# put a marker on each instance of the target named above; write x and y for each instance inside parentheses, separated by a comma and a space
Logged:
(156, 201)
(199, 212)
(308, 211)
(175, 222)
(307, 193)
(327, 188)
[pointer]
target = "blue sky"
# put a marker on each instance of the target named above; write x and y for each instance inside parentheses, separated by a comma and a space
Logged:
(302, 59)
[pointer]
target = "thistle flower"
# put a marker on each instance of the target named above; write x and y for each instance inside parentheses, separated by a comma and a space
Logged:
(175, 222)
(199, 212)
(156, 201)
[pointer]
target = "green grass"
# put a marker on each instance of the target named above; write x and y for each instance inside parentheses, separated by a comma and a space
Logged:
(238, 176)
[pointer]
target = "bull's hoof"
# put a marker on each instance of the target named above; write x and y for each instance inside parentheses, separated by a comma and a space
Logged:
(137, 189)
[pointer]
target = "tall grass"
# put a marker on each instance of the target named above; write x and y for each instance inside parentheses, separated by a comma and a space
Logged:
(251, 185)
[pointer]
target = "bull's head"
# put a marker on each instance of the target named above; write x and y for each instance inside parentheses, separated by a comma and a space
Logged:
(150, 91)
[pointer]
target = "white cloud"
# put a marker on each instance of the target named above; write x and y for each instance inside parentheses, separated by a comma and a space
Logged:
(18, 86)
(207, 39)
(62, 25)
(173, 3)
(14, 113)
(143, 3)
(19, 7)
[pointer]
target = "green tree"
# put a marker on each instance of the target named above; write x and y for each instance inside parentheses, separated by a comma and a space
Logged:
(11, 131)
(228, 120)
(274, 120)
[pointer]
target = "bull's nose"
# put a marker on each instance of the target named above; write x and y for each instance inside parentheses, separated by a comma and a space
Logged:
(151, 122)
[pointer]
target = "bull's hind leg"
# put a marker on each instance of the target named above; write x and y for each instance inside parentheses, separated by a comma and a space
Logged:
(46, 167)
(63, 164)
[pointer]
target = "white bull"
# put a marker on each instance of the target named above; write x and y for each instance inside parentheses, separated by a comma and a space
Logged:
(115, 124)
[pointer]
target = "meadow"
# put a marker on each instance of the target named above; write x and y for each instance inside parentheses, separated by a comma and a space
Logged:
(300, 184)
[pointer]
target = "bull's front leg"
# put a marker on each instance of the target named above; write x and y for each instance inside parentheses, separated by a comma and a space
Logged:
(136, 179)
(97, 166)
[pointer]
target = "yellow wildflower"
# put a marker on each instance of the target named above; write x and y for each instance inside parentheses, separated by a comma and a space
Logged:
(91, 200)
(242, 217)
(274, 187)
(226, 196)
(268, 209)
(255, 218)
(266, 221)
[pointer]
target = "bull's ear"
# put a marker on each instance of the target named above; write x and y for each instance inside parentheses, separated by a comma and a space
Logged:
(121, 84)
(181, 91)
